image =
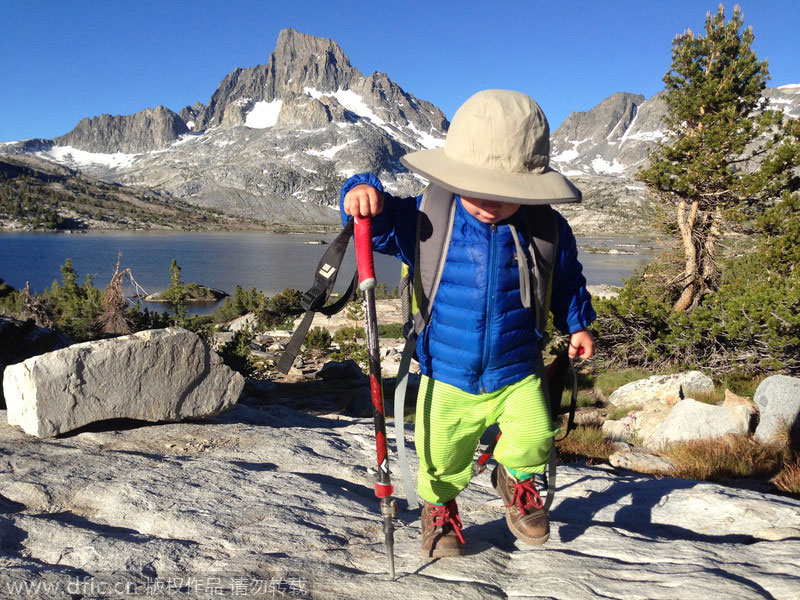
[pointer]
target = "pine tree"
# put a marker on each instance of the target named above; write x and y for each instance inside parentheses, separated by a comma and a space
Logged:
(175, 295)
(727, 153)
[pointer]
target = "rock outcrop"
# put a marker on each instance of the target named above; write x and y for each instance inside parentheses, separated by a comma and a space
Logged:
(662, 388)
(693, 420)
(660, 414)
(149, 129)
(20, 340)
(265, 498)
(155, 375)
(778, 398)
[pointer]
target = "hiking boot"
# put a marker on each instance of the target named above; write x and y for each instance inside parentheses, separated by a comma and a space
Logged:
(525, 512)
(441, 530)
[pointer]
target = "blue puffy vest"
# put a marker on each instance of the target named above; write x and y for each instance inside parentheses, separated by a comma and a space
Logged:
(479, 337)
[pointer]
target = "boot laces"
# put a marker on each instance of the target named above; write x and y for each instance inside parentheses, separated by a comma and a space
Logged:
(447, 514)
(525, 496)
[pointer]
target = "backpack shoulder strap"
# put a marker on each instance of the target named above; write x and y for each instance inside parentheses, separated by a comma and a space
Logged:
(313, 301)
(434, 226)
(434, 229)
(541, 223)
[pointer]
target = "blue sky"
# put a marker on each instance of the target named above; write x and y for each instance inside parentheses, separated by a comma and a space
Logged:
(61, 61)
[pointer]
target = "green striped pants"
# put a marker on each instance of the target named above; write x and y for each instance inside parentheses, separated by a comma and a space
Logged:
(450, 422)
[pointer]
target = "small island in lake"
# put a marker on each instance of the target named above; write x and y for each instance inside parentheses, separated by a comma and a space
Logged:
(194, 293)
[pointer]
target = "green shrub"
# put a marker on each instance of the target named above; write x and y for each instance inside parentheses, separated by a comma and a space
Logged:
(352, 345)
(355, 310)
(236, 353)
(73, 308)
(280, 310)
(383, 293)
(9, 299)
(749, 325)
(242, 302)
(318, 340)
(176, 295)
(390, 330)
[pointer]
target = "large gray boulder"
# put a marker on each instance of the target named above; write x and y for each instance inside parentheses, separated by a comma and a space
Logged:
(22, 339)
(660, 423)
(156, 375)
(662, 388)
(778, 399)
(693, 420)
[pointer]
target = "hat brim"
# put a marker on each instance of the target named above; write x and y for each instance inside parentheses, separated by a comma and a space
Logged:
(548, 187)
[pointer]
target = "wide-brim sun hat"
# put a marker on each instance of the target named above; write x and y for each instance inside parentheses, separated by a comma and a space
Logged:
(497, 148)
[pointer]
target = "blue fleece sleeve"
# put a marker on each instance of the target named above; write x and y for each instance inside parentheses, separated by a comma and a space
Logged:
(394, 230)
(570, 303)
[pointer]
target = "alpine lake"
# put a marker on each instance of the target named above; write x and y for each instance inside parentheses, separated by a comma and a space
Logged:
(269, 262)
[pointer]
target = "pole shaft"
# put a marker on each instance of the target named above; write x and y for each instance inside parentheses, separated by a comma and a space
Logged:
(383, 483)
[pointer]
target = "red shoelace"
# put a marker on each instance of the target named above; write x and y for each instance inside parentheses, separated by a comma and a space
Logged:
(526, 496)
(447, 514)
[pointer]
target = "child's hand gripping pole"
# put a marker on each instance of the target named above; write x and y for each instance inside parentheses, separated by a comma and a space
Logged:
(383, 483)
(364, 258)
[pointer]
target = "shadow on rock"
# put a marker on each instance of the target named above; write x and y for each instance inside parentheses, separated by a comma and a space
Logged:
(8, 506)
(123, 534)
(11, 538)
(365, 496)
(259, 467)
(108, 425)
(489, 535)
(276, 416)
(576, 515)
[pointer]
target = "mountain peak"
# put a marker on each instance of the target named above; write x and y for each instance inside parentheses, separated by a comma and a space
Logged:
(296, 46)
(299, 61)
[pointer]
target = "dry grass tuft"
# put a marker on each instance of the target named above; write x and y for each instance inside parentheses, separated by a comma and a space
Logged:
(788, 480)
(584, 441)
(732, 457)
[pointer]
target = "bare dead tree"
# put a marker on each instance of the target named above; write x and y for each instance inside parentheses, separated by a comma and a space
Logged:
(113, 319)
(31, 308)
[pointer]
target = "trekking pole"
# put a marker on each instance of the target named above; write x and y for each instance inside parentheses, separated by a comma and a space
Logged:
(383, 484)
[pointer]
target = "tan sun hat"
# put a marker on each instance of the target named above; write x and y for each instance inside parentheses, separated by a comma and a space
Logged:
(497, 148)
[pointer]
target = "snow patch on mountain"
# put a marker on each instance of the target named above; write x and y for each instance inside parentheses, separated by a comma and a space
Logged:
(75, 158)
(427, 139)
(571, 154)
(601, 165)
(263, 114)
(350, 101)
(329, 153)
(355, 103)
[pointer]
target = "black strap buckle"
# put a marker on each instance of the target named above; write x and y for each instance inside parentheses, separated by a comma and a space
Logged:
(314, 298)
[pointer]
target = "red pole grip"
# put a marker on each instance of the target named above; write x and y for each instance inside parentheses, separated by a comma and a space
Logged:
(364, 260)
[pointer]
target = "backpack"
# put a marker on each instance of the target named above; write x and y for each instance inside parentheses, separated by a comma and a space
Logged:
(435, 220)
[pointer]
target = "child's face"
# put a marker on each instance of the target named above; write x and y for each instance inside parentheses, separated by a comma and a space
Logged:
(489, 211)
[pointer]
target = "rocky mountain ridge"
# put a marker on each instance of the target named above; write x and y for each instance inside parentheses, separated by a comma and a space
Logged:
(276, 141)
(150, 129)
(614, 137)
(38, 194)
